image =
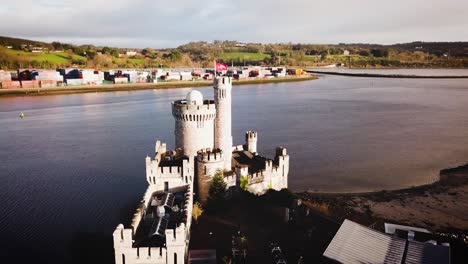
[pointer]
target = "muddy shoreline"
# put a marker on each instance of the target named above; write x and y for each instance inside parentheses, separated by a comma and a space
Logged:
(440, 206)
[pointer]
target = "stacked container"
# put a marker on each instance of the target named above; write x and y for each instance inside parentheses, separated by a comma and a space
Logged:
(120, 80)
(90, 77)
(29, 84)
(186, 76)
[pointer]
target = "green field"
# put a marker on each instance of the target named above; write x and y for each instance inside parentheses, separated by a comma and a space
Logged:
(227, 56)
(52, 57)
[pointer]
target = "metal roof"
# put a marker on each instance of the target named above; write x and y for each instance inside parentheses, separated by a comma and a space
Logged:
(426, 253)
(357, 244)
(354, 243)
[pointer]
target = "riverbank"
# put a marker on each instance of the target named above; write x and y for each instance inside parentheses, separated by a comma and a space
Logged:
(140, 86)
(378, 75)
(440, 206)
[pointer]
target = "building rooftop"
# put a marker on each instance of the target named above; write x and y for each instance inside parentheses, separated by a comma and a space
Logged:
(255, 163)
(169, 159)
(164, 211)
(355, 244)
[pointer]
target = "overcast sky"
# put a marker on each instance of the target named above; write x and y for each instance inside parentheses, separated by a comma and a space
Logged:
(162, 24)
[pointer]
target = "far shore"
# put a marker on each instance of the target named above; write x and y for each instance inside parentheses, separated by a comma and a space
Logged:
(379, 75)
(440, 206)
(140, 86)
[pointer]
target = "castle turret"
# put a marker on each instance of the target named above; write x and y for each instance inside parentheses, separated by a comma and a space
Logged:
(223, 136)
(194, 123)
(251, 141)
(282, 159)
(208, 162)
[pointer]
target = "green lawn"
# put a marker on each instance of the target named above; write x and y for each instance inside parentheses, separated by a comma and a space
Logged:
(52, 57)
(227, 56)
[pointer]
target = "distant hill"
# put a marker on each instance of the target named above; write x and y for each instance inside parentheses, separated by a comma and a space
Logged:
(7, 41)
(23, 53)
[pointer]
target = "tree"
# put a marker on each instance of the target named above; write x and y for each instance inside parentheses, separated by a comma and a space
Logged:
(364, 53)
(379, 52)
(217, 191)
(244, 181)
(323, 54)
(106, 50)
(197, 211)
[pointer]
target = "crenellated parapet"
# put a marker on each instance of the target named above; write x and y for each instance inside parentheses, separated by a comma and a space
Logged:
(185, 112)
(194, 125)
(209, 161)
(176, 239)
(210, 155)
(169, 169)
(126, 253)
(273, 175)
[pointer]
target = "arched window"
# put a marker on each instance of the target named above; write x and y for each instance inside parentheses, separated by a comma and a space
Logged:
(205, 170)
(175, 258)
(123, 258)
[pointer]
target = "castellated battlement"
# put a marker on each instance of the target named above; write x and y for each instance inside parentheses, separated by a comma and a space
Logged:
(187, 112)
(170, 171)
(175, 245)
(209, 155)
(281, 151)
(249, 135)
(125, 253)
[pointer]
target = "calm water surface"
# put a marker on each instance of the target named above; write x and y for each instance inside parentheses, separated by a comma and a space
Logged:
(74, 167)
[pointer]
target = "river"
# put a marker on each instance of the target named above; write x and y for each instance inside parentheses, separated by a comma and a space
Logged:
(73, 168)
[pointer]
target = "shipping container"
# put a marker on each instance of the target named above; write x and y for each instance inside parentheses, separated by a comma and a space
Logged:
(47, 83)
(73, 82)
(10, 84)
(30, 84)
(121, 80)
(5, 76)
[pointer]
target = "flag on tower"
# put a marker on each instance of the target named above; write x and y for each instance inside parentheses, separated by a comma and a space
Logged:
(221, 67)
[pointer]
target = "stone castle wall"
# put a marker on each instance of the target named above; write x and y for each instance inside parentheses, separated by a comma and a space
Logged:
(176, 239)
(174, 176)
(274, 176)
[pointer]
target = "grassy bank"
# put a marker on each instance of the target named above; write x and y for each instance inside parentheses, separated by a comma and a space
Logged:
(140, 86)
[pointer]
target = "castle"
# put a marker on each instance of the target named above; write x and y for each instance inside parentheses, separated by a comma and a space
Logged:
(160, 229)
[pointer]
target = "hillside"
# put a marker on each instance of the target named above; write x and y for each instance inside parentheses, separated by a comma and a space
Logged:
(22, 53)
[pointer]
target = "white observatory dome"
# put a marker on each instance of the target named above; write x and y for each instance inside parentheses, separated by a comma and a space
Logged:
(194, 97)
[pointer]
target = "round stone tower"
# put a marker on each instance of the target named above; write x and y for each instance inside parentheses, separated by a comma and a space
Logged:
(208, 162)
(194, 123)
(223, 136)
(251, 141)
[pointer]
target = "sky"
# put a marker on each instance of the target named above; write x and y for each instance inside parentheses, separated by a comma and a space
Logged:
(166, 24)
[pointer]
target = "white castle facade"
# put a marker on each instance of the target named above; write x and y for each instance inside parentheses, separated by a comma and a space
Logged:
(160, 228)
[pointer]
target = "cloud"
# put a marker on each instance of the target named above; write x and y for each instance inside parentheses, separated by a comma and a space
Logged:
(159, 24)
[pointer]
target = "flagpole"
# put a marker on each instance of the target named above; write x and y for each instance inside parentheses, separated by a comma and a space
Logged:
(214, 69)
